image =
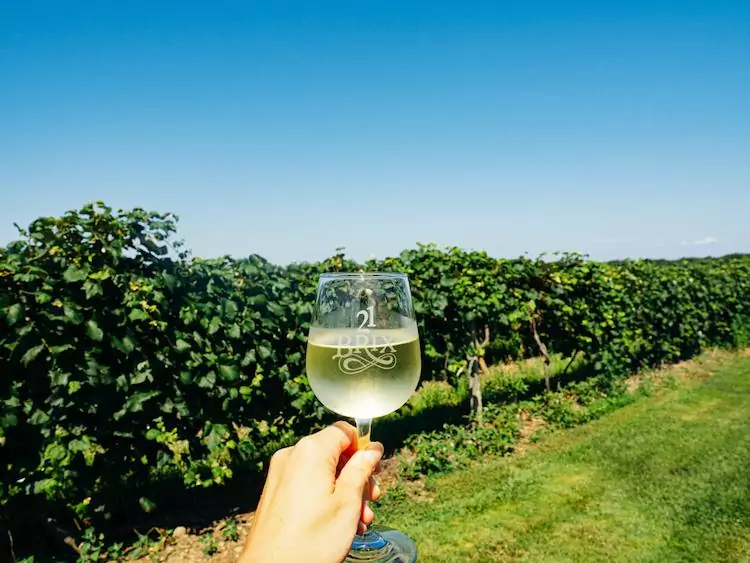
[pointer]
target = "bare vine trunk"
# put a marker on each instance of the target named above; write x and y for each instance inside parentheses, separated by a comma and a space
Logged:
(477, 366)
(475, 389)
(542, 349)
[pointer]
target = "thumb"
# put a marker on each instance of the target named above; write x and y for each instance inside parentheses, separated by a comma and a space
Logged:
(356, 473)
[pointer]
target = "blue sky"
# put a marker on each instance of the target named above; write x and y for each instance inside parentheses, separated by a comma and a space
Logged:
(291, 128)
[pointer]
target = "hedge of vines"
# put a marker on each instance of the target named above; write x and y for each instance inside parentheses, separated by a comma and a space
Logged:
(123, 360)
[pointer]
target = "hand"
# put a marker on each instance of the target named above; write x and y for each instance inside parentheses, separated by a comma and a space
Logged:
(314, 499)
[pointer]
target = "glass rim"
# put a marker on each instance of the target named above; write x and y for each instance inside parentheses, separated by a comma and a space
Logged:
(367, 275)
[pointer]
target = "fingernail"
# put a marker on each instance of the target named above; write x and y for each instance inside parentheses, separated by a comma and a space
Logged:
(375, 446)
(373, 456)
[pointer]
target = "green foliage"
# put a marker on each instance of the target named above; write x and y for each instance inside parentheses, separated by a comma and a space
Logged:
(741, 332)
(148, 544)
(434, 394)
(457, 445)
(230, 530)
(210, 545)
(92, 547)
(125, 361)
(560, 410)
(582, 401)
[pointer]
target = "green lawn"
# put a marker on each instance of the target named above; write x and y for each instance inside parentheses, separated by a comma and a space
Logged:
(664, 479)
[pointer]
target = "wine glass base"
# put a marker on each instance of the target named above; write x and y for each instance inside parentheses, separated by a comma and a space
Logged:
(382, 545)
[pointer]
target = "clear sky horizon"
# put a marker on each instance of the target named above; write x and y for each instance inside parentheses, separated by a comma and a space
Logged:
(291, 128)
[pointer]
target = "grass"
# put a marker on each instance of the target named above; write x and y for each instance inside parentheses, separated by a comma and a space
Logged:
(666, 478)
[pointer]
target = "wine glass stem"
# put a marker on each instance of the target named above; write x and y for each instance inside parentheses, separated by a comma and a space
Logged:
(363, 432)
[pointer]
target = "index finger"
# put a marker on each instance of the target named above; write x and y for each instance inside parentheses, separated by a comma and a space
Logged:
(330, 442)
(335, 439)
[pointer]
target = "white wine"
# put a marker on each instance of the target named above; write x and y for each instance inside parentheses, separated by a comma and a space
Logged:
(363, 373)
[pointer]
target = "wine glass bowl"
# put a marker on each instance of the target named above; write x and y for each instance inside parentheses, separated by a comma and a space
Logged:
(363, 358)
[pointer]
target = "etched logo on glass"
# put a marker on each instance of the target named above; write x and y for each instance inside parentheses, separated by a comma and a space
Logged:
(363, 352)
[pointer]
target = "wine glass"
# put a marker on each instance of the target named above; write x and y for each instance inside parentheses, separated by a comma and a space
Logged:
(363, 361)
